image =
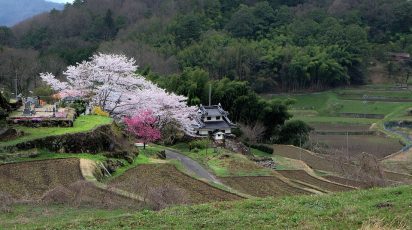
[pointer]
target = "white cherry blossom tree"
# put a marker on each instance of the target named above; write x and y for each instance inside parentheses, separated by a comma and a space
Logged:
(110, 81)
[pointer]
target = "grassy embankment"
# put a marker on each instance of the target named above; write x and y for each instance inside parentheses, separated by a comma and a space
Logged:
(387, 208)
(81, 124)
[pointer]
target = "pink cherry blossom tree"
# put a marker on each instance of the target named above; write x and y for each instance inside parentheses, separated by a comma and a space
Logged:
(144, 126)
(110, 81)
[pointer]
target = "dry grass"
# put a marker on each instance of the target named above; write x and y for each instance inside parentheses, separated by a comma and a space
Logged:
(382, 225)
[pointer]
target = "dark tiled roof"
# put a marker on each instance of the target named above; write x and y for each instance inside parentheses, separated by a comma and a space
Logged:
(215, 125)
(213, 110)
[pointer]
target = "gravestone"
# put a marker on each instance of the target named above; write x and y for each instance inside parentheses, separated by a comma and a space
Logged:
(27, 108)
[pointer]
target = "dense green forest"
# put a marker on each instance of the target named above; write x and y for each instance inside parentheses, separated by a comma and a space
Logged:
(275, 45)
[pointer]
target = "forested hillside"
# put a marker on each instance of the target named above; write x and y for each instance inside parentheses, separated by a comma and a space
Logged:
(14, 11)
(275, 45)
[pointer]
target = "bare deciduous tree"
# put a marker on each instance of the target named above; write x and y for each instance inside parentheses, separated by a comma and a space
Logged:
(253, 133)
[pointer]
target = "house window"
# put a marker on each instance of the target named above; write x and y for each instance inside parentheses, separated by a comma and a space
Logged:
(218, 118)
(209, 118)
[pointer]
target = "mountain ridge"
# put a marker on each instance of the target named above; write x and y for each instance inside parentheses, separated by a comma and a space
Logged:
(15, 11)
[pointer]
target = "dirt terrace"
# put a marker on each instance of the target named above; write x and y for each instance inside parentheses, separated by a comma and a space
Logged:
(378, 146)
(262, 186)
(30, 180)
(57, 181)
(303, 176)
(344, 181)
(153, 178)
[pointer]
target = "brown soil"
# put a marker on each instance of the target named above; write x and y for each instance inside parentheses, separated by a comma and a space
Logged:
(378, 146)
(262, 186)
(325, 163)
(303, 176)
(30, 180)
(83, 193)
(344, 181)
(314, 161)
(48, 180)
(403, 178)
(154, 177)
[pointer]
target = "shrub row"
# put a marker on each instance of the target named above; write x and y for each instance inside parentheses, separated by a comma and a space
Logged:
(263, 148)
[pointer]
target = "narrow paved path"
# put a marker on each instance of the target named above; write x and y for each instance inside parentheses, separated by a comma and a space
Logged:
(192, 166)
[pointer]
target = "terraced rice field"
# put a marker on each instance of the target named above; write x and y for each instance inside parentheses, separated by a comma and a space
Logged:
(314, 161)
(378, 146)
(302, 176)
(155, 177)
(344, 181)
(323, 163)
(58, 181)
(262, 186)
(30, 180)
(342, 128)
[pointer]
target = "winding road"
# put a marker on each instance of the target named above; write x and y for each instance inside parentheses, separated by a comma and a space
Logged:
(192, 166)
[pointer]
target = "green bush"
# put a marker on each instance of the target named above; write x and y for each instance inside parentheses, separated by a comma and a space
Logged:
(262, 148)
(79, 106)
(199, 144)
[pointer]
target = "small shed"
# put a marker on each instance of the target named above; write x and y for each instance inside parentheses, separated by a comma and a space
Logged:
(218, 136)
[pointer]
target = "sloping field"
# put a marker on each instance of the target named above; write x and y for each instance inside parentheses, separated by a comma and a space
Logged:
(314, 161)
(404, 178)
(236, 165)
(345, 181)
(30, 180)
(262, 186)
(378, 146)
(57, 181)
(323, 164)
(300, 175)
(160, 177)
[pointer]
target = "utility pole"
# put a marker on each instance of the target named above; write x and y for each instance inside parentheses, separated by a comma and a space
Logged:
(210, 94)
(15, 84)
(347, 145)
